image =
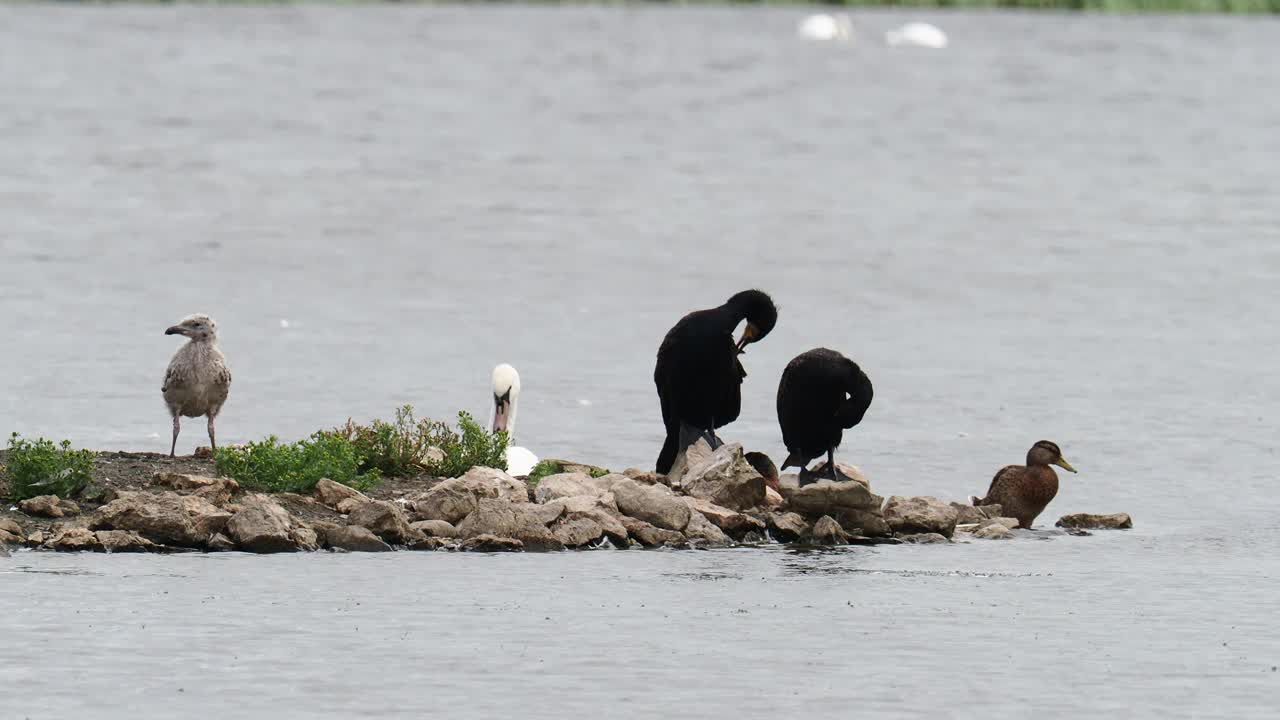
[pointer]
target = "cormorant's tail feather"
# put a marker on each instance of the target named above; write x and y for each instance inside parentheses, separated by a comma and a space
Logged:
(792, 461)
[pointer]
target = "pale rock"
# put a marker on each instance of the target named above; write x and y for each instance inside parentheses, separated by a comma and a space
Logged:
(595, 510)
(730, 521)
(993, 531)
(654, 504)
(923, 514)
(647, 477)
(577, 531)
(523, 521)
(455, 499)
(332, 493)
(826, 531)
(700, 528)
(650, 535)
(924, 538)
(161, 518)
(384, 519)
(220, 543)
(825, 497)
(355, 538)
(74, 539)
(261, 526)
(306, 539)
(1114, 521)
(50, 506)
(772, 498)
(123, 541)
(217, 490)
(726, 479)
(491, 543)
(434, 528)
(11, 527)
(787, 526)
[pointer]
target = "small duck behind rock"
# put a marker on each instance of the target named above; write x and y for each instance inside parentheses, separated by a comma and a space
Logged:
(1024, 491)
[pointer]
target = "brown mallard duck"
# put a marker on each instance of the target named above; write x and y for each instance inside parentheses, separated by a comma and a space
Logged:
(1023, 491)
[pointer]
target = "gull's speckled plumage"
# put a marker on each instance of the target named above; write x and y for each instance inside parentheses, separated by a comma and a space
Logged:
(198, 380)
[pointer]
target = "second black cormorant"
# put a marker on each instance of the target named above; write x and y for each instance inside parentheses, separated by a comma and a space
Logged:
(699, 375)
(822, 393)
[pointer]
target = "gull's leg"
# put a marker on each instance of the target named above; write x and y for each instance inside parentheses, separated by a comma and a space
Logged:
(213, 444)
(176, 427)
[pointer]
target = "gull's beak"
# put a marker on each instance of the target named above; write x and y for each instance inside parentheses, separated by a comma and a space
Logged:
(749, 335)
(501, 414)
(1062, 463)
(176, 330)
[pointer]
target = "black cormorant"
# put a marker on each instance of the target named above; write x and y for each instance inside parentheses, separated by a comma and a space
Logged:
(822, 393)
(699, 375)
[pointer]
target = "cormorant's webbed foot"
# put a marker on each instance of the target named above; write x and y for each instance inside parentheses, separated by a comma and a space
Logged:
(808, 477)
(712, 439)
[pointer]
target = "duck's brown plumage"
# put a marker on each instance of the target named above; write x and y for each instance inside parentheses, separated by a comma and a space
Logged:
(1024, 491)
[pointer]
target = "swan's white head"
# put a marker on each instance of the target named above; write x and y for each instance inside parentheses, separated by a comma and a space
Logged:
(826, 27)
(917, 34)
(506, 390)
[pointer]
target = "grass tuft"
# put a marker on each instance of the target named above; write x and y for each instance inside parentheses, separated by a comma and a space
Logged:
(272, 466)
(39, 467)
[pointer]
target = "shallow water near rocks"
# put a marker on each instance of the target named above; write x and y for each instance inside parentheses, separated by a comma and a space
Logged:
(1062, 227)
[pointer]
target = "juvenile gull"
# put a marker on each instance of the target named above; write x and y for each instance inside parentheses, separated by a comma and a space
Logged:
(198, 379)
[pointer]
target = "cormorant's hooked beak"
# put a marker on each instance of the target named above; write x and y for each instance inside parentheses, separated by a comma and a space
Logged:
(749, 335)
(1062, 463)
(176, 330)
(501, 412)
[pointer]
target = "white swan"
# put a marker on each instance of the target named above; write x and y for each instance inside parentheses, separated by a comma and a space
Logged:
(917, 34)
(826, 27)
(506, 392)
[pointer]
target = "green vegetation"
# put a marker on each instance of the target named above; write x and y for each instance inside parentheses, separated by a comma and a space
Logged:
(472, 446)
(395, 449)
(555, 467)
(1116, 6)
(275, 467)
(407, 445)
(38, 467)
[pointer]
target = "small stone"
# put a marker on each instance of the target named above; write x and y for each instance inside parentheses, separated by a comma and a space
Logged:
(221, 543)
(454, 499)
(646, 477)
(9, 538)
(492, 543)
(306, 538)
(725, 478)
(577, 531)
(654, 504)
(787, 526)
(828, 532)
(428, 543)
(262, 526)
(36, 539)
(993, 531)
(1114, 521)
(923, 514)
(50, 506)
(217, 491)
(434, 528)
(385, 519)
(355, 538)
(924, 538)
(124, 541)
(11, 527)
(332, 493)
(650, 535)
(772, 499)
(74, 539)
(1077, 532)
(730, 521)
(700, 528)
(203, 452)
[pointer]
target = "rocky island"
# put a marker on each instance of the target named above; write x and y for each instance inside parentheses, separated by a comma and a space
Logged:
(144, 502)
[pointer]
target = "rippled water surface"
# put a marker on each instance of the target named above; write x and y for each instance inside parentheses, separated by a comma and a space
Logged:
(1061, 227)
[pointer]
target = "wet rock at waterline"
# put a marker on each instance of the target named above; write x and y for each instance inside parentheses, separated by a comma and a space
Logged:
(164, 518)
(923, 514)
(262, 526)
(355, 538)
(384, 519)
(828, 532)
(654, 504)
(433, 528)
(929, 538)
(492, 543)
(971, 515)
(1083, 521)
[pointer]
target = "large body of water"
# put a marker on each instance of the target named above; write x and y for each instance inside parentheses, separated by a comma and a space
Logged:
(1062, 227)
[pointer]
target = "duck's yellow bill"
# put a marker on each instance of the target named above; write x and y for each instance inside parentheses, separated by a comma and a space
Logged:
(1062, 463)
